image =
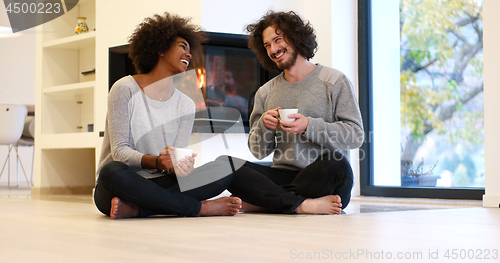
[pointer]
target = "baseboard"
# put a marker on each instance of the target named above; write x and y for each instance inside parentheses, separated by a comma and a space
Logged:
(63, 190)
(490, 200)
(422, 201)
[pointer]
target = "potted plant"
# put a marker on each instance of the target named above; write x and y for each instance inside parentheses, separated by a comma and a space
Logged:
(416, 176)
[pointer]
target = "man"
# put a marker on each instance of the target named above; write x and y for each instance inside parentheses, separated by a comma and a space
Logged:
(310, 172)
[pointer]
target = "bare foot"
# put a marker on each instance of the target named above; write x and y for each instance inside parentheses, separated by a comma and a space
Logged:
(326, 205)
(120, 209)
(224, 206)
(249, 208)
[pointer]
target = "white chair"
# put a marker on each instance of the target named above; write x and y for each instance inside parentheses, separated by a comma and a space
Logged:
(12, 121)
(28, 137)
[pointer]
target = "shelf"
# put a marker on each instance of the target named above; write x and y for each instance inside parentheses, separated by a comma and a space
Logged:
(86, 40)
(67, 170)
(70, 87)
(79, 140)
(68, 109)
(66, 141)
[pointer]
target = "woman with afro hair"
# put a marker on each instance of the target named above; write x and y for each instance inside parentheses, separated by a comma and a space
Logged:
(147, 119)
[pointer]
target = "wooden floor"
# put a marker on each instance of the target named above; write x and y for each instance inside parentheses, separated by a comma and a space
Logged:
(70, 229)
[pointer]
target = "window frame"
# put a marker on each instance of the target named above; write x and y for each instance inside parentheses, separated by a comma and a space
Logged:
(365, 103)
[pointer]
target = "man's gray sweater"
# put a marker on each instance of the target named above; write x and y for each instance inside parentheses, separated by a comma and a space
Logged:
(326, 97)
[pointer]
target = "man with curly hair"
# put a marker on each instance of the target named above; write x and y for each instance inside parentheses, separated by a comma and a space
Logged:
(310, 172)
(147, 117)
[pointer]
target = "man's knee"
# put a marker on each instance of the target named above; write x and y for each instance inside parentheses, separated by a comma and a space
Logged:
(223, 182)
(336, 161)
(335, 156)
(222, 158)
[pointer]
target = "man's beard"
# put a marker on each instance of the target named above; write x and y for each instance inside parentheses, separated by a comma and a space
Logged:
(290, 62)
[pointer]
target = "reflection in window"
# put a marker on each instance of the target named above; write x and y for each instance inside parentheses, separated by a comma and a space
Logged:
(232, 78)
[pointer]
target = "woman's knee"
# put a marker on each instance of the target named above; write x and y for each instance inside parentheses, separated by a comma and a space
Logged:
(102, 200)
(112, 171)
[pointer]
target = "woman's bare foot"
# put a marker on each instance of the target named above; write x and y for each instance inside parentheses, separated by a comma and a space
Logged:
(224, 206)
(249, 208)
(326, 205)
(120, 209)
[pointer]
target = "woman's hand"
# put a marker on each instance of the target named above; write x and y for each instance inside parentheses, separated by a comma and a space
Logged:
(185, 165)
(166, 159)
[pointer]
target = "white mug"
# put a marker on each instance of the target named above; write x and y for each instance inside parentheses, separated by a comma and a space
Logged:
(181, 153)
(285, 112)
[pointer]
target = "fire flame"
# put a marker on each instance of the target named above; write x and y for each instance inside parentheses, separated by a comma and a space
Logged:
(201, 77)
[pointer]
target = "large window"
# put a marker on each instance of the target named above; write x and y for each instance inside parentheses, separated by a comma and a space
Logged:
(421, 89)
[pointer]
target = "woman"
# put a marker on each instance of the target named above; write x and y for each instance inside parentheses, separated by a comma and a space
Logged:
(146, 116)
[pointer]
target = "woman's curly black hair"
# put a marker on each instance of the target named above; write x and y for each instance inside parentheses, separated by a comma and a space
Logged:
(157, 34)
(298, 34)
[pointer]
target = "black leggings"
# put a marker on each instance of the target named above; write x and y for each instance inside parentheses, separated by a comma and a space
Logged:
(282, 190)
(160, 195)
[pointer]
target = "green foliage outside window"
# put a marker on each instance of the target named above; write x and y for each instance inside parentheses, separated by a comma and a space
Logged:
(441, 73)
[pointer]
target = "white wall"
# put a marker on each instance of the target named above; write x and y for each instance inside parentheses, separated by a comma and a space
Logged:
(232, 16)
(491, 20)
(17, 75)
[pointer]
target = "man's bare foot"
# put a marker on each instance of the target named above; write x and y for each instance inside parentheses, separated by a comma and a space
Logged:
(249, 208)
(120, 209)
(326, 205)
(224, 206)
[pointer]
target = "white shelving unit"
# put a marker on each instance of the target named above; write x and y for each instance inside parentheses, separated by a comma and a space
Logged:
(65, 139)
(81, 41)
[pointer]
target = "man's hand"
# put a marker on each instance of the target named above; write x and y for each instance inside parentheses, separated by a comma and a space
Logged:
(271, 119)
(297, 126)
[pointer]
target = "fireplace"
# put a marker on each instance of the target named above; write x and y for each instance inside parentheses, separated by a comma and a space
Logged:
(228, 74)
